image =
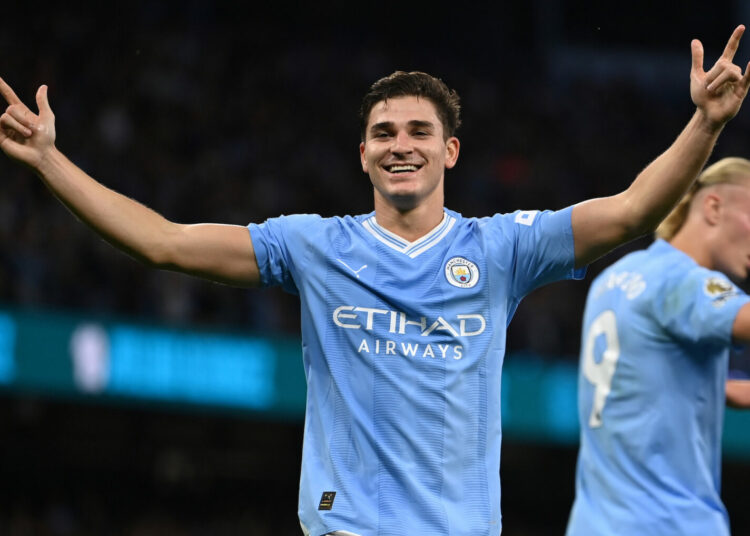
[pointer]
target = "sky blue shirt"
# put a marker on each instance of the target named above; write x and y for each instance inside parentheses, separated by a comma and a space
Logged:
(403, 346)
(654, 358)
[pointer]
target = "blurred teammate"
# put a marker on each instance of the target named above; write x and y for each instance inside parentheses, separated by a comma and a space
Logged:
(404, 310)
(658, 328)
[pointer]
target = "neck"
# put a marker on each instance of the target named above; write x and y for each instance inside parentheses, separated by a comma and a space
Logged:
(410, 224)
(694, 243)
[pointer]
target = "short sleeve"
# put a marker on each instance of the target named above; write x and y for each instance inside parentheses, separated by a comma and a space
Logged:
(280, 246)
(699, 308)
(544, 249)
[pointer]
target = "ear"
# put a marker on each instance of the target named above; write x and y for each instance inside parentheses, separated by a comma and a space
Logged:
(362, 156)
(712, 205)
(452, 147)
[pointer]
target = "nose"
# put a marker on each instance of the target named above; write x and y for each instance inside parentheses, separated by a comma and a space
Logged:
(401, 143)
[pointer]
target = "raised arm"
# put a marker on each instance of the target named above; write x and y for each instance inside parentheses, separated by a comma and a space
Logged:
(222, 253)
(602, 224)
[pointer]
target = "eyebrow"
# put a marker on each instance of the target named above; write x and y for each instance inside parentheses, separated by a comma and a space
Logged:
(415, 123)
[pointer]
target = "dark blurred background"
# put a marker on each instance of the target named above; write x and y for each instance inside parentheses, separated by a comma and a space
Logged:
(233, 113)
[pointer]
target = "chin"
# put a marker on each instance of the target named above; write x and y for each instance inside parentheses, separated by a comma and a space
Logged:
(736, 276)
(404, 201)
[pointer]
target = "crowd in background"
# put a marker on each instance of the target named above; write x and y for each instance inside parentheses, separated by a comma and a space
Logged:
(198, 118)
(207, 117)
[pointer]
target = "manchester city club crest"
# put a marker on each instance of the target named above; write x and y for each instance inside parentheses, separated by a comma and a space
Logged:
(461, 273)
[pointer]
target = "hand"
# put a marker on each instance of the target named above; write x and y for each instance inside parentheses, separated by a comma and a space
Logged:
(719, 92)
(24, 135)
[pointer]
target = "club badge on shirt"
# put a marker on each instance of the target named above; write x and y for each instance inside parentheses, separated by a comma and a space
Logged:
(461, 272)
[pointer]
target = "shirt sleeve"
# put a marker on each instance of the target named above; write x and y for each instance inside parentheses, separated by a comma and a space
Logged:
(700, 308)
(279, 245)
(544, 249)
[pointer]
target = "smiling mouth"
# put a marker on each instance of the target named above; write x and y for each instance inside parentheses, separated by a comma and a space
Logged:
(401, 168)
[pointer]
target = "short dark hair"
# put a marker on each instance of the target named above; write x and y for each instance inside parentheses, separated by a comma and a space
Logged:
(414, 84)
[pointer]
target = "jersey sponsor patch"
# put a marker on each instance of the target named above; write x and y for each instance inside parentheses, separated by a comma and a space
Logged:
(326, 500)
(719, 290)
(461, 273)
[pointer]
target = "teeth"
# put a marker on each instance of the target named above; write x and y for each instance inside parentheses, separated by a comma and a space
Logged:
(398, 168)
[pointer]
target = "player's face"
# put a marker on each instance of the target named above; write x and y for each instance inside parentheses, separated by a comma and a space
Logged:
(405, 153)
(733, 249)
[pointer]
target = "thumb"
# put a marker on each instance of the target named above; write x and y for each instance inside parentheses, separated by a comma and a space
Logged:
(42, 101)
(696, 49)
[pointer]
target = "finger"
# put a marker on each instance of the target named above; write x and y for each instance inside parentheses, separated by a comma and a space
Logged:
(8, 94)
(8, 122)
(714, 72)
(22, 114)
(723, 78)
(733, 43)
(696, 48)
(732, 74)
(720, 67)
(745, 82)
(42, 101)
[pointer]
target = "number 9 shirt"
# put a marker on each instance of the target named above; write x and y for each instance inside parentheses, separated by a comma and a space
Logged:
(651, 395)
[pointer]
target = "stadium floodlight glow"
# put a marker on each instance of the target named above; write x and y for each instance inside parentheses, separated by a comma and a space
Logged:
(89, 350)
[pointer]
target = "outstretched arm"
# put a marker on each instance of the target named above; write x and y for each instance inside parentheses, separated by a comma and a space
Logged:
(600, 225)
(221, 253)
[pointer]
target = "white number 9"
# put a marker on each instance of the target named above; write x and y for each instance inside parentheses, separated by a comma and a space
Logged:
(600, 374)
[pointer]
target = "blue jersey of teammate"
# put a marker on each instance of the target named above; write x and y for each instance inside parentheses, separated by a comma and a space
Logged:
(654, 357)
(403, 346)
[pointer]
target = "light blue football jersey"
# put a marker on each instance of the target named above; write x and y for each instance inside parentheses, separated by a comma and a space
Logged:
(651, 395)
(403, 346)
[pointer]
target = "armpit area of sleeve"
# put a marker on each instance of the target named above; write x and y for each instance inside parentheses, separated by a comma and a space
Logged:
(575, 273)
(260, 248)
